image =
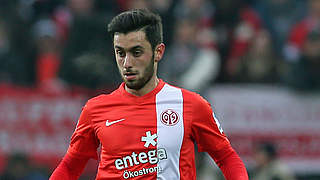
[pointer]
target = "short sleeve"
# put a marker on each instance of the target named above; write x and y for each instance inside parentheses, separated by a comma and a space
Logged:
(84, 141)
(206, 129)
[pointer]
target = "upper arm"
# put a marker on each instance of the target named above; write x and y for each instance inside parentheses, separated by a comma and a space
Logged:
(206, 129)
(70, 168)
(84, 141)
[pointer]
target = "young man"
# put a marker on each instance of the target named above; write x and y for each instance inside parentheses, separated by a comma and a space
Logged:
(146, 128)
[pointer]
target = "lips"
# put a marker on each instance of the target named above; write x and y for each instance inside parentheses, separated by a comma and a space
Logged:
(130, 75)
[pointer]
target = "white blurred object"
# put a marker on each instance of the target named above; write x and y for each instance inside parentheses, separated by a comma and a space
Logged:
(45, 27)
(291, 53)
(204, 69)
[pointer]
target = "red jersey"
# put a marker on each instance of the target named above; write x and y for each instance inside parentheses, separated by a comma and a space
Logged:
(148, 137)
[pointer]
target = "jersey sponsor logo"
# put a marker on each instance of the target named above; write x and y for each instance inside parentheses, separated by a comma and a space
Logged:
(149, 139)
(143, 171)
(152, 157)
(137, 158)
(113, 122)
(169, 117)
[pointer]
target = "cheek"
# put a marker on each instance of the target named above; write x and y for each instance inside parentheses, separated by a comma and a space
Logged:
(146, 60)
(119, 62)
(120, 66)
(143, 65)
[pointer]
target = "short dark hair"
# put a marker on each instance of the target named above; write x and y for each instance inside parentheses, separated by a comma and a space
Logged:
(135, 20)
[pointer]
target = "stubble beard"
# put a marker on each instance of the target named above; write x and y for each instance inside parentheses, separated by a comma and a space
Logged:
(137, 84)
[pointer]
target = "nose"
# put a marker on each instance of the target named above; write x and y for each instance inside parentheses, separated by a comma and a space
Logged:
(127, 63)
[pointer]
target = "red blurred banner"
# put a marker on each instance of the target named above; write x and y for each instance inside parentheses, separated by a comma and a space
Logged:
(37, 123)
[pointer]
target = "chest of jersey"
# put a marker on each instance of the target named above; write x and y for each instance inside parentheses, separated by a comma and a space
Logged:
(137, 136)
(120, 130)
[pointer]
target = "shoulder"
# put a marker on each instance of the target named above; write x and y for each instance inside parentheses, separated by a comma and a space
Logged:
(189, 95)
(193, 101)
(97, 99)
(102, 99)
(194, 98)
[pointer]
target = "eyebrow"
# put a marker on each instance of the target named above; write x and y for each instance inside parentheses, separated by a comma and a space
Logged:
(131, 48)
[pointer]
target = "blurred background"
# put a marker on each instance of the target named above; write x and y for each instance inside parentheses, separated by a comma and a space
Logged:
(256, 61)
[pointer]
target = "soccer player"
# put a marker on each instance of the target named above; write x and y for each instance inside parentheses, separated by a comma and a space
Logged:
(146, 128)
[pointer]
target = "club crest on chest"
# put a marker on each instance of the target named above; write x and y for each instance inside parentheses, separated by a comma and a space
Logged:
(169, 117)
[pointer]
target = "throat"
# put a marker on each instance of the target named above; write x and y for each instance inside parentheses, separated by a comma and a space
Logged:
(148, 87)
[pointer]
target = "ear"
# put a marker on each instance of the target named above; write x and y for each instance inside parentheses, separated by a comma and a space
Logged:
(159, 51)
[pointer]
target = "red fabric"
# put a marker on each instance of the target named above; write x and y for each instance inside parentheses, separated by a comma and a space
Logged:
(200, 126)
(83, 141)
(70, 168)
(123, 4)
(47, 67)
(299, 33)
(204, 128)
(239, 46)
(230, 164)
(250, 16)
(133, 119)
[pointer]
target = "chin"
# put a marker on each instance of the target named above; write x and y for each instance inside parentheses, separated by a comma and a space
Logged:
(135, 84)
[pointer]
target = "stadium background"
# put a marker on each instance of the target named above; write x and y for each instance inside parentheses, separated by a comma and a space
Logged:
(256, 61)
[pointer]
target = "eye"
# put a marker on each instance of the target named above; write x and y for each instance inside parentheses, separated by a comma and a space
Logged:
(137, 53)
(120, 53)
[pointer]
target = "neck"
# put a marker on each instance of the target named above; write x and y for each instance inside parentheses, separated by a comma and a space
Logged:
(153, 82)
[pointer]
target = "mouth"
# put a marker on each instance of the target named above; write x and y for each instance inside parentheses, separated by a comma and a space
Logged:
(130, 75)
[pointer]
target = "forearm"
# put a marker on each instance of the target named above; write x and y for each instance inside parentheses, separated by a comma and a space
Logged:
(70, 168)
(230, 164)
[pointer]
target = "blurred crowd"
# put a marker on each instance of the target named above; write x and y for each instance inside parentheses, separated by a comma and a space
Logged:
(58, 44)
(19, 167)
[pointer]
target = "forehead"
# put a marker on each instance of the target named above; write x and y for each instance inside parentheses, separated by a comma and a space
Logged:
(131, 39)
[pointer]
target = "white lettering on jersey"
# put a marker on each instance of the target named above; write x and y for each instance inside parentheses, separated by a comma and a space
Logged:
(143, 171)
(152, 156)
